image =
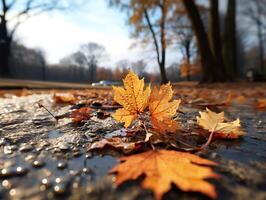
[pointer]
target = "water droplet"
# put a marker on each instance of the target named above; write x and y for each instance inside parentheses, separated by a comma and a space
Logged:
(6, 184)
(89, 155)
(62, 165)
(12, 192)
(60, 189)
(87, 170)
(21, 170)
(38, 163)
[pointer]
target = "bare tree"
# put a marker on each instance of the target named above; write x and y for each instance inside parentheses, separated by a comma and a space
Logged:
(20, 10)
(255, 12)
(150, 20)
(187, 44)
(89, 56)
(139, 67)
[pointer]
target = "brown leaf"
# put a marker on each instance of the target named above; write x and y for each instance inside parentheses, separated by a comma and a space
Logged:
(261, 104)
(60, 98)
(115, 142)
(81, 114)
(163, 168)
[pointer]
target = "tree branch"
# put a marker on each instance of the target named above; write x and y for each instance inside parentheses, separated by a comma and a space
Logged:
(153, 35)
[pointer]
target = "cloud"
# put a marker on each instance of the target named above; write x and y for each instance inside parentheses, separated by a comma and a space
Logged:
(59, 35)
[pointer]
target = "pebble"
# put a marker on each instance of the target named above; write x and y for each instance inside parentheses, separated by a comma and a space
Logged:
(30, 157)
(3, 141)
(26, 148)
(77, 153)
(63, 146)
(9, 149)
(74, 172)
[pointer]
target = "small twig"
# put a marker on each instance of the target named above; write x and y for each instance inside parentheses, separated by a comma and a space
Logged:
(42, 106)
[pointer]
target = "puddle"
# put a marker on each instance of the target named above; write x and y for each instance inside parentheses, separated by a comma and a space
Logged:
(54, 134)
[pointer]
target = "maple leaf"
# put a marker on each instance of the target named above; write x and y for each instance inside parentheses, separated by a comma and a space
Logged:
(81, 114)
(215, 123)
(163, 167)
(161, 110)
(64, 98)
(132, 97)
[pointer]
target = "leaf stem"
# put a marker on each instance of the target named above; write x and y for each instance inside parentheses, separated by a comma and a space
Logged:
(42, 106)
(208, 141)
(146, 130)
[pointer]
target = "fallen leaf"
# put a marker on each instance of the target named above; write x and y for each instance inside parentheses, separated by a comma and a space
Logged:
(215, 123)
(115, 142)
(81, 114)
(161, 110)
(64, 98)
(162, 168)
(261, 104)
(133, 97)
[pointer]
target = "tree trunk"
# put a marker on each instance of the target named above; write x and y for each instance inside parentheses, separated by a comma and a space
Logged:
(208, 64)
(161, 62)
(163, 44)
(5, 47)
(215, 37)
(229, 41)
(261, 46)
(187, 46)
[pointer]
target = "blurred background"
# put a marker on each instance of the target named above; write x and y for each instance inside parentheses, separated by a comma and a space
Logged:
(97, 42)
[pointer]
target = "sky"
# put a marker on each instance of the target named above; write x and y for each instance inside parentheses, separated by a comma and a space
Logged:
(61, 33)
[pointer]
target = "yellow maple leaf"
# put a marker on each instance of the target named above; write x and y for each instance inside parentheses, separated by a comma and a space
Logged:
(215, 122)
(163, 167)
(133, 97)
(161, 110)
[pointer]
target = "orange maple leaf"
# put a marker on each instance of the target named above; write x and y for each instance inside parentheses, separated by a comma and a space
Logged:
(163, 167)
(132, 97)
(215, 123)
(161, 110)
(135, 99)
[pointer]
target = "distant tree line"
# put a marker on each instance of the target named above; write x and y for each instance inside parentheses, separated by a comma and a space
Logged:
(217, 44)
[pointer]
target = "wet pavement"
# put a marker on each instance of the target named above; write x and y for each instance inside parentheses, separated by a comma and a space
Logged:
(41, 158)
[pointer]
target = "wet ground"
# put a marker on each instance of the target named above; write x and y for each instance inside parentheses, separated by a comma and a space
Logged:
(41, 158)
